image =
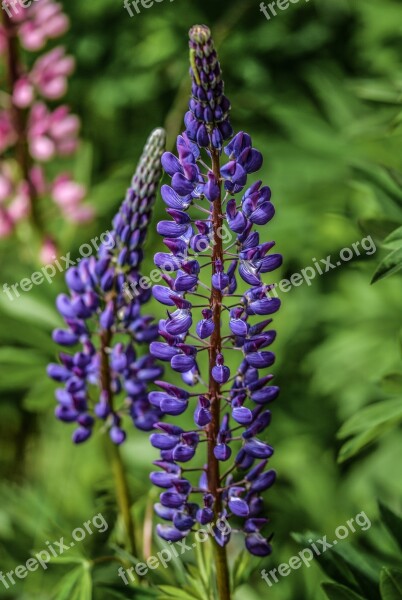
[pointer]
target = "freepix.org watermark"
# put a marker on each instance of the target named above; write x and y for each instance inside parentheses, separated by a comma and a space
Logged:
(49, 271)
(131, 5)
(53, 550)
(269, 9)
(13, 7)
(316, 548)
(163, 557)
(307, 275)
(324, 265)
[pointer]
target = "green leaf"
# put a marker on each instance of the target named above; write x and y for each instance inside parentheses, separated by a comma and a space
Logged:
(339, 592)
(31, 309)
(347, 566)
(368, 425)
(240, 569)
(390, 265)
(395, 236)
(382, 179)
(392, 522)
(76, 585)
(40, 397)
(175, 592)
(21, 357)
(17, 378)
(332, 564)
(391, 584)
(378, 228)
(67, 584)
(371, 416)
(392, 383)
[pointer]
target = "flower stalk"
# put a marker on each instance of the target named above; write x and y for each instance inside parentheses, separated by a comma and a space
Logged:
(226, 416)
(30, 133)
(215, 348)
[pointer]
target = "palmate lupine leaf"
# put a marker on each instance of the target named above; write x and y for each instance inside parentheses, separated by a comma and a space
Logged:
(391, 584)
(390, 265)
(348, 566)
(392, 522)
(368, 425)
(340, 592)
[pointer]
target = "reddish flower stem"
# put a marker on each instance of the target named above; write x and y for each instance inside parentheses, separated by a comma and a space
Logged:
(221, 562)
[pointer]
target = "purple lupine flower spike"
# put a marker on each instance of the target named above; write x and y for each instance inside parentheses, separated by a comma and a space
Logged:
(105, 302)
(207, 120)
(214, 230)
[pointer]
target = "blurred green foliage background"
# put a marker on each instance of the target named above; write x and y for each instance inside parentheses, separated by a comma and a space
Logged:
(319, 88)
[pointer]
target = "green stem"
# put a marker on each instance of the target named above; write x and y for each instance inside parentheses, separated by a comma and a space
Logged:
(123, 496)
(122, 488)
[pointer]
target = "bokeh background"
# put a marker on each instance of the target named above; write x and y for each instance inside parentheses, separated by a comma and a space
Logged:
(319, 88)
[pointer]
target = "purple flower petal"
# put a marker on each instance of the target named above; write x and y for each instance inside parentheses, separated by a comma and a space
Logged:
(163, 295)
(182, 363)
(239, 507)
(260, 360)
(264, 481)
(181, 185)
(258, 449)
(163, 351)
(266, 306)
(164, 441)
(171, 164)
(173, 200)
(257, 545)
(170, 534)
(265, 395)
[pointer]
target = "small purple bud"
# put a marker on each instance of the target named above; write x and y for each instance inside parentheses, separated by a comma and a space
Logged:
(222, 452)
(239, 507)
(258, 449)
(81, 434)
(106, 319)
(258, 545)
(117, 435)
(211, 188)
(220, 372)
(264, 481)
(64, 338)
(170, 534)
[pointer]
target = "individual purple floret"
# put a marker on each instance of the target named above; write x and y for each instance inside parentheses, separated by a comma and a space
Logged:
(214, 294)
(105, 323)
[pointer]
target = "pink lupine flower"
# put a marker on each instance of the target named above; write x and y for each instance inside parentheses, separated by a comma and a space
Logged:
(6, 224)
(3, 40)
(19, 207)
(48, 251)
(52, 133)
(6, 186)
(64, 128)
(50, 72)
(14, 199)
(40, 22)
(79, 213)
(41, 134)
(67, 193)
(37, 177)
(7, 133)
(23, 93)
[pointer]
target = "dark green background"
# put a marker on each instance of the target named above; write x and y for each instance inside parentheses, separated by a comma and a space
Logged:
(319, 89)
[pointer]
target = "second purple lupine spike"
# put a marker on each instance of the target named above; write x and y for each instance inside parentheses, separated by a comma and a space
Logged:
(105, 303)
(223, 402)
